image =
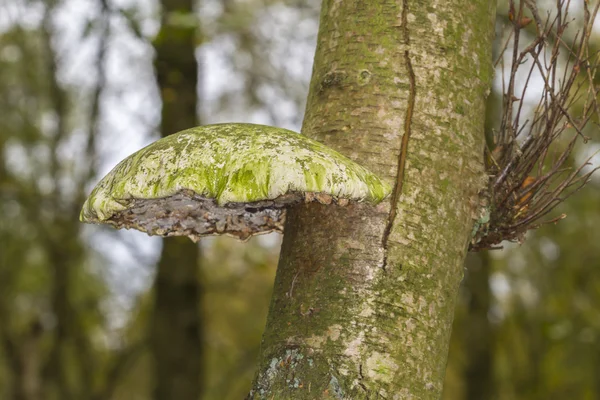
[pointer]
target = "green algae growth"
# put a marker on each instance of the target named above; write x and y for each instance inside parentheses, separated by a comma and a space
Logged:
(219, 178)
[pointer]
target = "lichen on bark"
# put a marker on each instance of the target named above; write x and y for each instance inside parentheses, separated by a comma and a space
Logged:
(385, 281)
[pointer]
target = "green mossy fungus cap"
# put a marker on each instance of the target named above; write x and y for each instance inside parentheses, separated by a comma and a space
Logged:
(215, 179)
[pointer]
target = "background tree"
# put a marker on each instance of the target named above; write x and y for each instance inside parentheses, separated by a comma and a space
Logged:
(176, 340)
(49, 297)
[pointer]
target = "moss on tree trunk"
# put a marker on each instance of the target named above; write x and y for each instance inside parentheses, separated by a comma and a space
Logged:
(364, 296)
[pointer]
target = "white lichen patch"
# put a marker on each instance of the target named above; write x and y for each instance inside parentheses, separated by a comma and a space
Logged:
(381, 367)
(334, 332)
(354, 347)
(317, 341)
(232, 164)
(366, 312)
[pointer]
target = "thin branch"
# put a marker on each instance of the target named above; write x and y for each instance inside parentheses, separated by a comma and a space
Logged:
(529, 179)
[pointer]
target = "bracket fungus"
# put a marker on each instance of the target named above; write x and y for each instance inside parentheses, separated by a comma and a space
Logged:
(234, 179)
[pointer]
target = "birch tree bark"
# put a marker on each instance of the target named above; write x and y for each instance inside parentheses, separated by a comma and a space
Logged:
(364, 296)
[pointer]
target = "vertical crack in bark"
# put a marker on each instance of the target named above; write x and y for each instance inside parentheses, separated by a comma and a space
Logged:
(397, 191)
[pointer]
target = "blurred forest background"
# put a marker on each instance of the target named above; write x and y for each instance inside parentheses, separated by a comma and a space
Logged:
(83, 309)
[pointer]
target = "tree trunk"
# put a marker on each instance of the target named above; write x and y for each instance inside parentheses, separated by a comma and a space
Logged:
(364, 296)
(176, 341)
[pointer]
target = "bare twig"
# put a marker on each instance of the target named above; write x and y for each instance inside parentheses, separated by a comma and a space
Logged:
(529, 178)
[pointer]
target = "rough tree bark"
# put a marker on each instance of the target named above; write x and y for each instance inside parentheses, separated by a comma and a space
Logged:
(176, 342)
(364, 296)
